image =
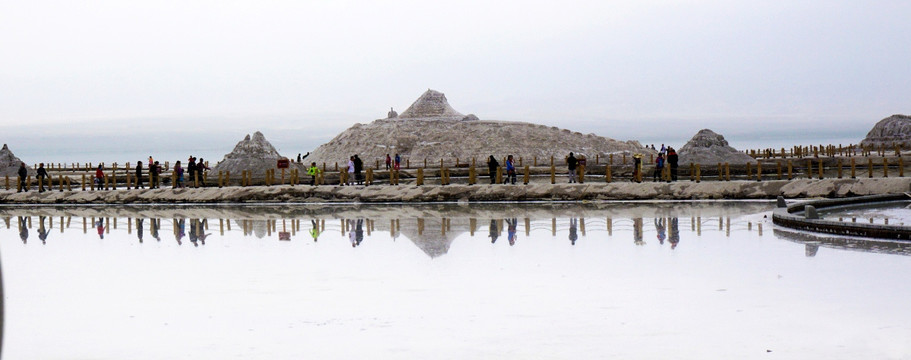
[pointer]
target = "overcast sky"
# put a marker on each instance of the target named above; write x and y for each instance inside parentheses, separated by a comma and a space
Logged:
(644, 70)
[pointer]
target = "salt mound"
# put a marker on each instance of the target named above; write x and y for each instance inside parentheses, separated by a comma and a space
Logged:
(443, 133)
(9, 163)
(891, 131)
(710, 148)
(252, 153)
(432, 104)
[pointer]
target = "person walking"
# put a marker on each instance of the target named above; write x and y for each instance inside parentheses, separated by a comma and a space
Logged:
(41, 176)
(350, 179)
(492, 165)
(139, 175)
(191, 170)
(571, 164)
(154, 170)
(659, 165)
(388, 162)
(672, 162)
(178, 172)
(510, 170)
(398, 162)
(313, 171)
(358, 167)
(201, 169)
(99, 178)
(23, 174)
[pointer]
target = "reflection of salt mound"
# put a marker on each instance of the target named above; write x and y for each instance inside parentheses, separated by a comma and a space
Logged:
(891, 131)
(708, 147)
(252, 153)
(258, 228)
(432, 104)
(9, 163)
(431, 241)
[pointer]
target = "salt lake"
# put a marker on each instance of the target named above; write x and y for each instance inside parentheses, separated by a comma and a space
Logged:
(648, 280)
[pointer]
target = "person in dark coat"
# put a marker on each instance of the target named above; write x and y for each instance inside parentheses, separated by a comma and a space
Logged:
(492, 165)
(23, 173)
(672, 162)
(139, 175)
(571, 163)
(42, 176)
(191, 170)
(154, 170)
(358, 167)
(201, 172)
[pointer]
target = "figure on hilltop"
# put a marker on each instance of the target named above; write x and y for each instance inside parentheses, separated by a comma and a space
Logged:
(392, 114)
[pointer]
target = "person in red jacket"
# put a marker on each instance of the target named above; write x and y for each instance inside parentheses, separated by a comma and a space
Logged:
(99, 178)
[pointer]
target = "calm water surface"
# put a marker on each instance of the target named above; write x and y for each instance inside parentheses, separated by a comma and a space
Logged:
(541, 281)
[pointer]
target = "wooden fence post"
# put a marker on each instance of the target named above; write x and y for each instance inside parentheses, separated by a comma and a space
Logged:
(499, 174)
(7, 182)
(420, 178)
(870, 167)
(749, 171)
(553, 171)
(581, 170)
(607, 174)
(758, 171)
(820, 169)
(809, 169)
(901, 167)
(525, 178)
(698, 173)
(852, 168)
(471, 175)
(840, 167)
(779, 169)
(885, 166)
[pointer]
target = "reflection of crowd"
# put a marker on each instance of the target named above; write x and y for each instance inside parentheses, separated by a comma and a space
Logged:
(666, 229)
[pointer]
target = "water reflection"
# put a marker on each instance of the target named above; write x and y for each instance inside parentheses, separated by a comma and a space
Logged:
(431, 228)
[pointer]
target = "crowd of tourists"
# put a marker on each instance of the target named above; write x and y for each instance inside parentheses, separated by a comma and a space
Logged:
(195, 171)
